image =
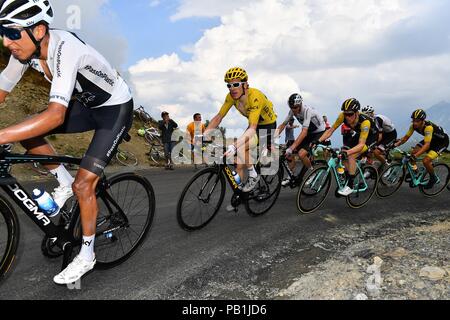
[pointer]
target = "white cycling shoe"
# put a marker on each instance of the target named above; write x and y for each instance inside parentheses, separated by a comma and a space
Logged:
(61, 194)
(74, 271)
(346, 191)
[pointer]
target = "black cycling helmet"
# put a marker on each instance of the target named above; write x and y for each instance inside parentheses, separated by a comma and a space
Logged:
(350, 105)
(419, 114)
(295, 99)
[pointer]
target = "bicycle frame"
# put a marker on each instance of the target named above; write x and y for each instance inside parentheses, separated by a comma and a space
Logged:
(333, 163)
(63, 238)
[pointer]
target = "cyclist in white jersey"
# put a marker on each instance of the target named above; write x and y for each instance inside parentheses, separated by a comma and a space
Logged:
(86, 94)
(313, 127)
(386, 133)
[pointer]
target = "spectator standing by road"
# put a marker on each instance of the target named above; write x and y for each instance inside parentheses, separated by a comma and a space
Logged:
(167, 127)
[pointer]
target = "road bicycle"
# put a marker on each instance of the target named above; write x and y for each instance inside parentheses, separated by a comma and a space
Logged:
(152, 136)
(143, 115)
(126, 209)
(317, 183)
(393, 176)
(204, 193)
(126, 158)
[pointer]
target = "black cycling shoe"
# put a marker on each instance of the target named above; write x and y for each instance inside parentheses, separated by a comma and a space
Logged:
(431, 182)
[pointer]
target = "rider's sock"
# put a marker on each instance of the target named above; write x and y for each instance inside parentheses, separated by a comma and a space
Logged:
(87, 248)
(63, 176)
(252, 172)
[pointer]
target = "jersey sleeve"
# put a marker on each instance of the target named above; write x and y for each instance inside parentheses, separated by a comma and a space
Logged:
(229, 102)
(379, 124)
(428, 134)
(339, 121)
(66, 65)
(12, 74)
(410, 131)
(365, 129)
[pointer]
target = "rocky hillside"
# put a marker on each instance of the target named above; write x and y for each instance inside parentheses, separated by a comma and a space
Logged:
(31, 96)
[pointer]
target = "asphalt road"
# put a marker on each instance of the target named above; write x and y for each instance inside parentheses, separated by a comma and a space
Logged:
(234, 257)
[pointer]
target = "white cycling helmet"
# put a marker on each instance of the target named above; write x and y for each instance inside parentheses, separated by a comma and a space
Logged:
(368, 109)
(25, 13)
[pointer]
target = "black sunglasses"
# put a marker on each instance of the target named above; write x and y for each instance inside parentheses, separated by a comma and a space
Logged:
(11, 33)
(349, 114)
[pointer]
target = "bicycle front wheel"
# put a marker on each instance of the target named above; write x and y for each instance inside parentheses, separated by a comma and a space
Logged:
(126, 158)
(314, 189)
(126, 211)
(9, 236)
(442, 171)
(265, 194)
(201, 199)
(365, 184)
(391, 179)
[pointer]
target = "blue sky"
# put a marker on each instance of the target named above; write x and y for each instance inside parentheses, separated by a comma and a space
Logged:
(149, 31)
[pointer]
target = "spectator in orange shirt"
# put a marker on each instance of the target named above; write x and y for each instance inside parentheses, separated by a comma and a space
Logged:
(193, 131)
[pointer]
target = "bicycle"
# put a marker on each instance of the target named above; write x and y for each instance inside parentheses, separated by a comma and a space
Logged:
(156, 154)
(316, 184)
(126, 158)
(126, 210)
(143, 115)
(207, 188)
(392, 177)
(296, 180)
(152, 136)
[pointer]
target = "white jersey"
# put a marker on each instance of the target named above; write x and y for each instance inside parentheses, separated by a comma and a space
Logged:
(384, 124)
(77, 71)
(309, 118)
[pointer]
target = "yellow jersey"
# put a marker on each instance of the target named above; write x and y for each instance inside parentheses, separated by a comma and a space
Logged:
(258, 109)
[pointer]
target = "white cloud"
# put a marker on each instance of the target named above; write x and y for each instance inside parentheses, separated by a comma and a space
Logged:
(98, 27)
(389, 53)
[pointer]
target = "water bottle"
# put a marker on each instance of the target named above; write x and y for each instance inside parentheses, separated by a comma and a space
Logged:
(236, 177)
(45, 202)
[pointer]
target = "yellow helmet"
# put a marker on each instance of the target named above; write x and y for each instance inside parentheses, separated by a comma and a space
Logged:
(236, 73)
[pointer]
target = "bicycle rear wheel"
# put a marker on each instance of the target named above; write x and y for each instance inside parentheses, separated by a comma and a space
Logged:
(365, 185)
(126, 158)
(9, 236)
(314, 189)
(443, 172)
(265, 194)
(201, 199)
(126, 211)
(390, 180)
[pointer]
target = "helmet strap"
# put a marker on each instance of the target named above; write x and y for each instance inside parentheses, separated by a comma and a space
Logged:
(37, 43)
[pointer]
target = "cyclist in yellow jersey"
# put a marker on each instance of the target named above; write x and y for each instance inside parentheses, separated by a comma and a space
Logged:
(435, 141)
(365, 136)
(255, 106)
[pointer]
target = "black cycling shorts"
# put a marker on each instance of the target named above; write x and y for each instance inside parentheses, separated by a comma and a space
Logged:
(437, 145)
(387, 139)
(110, 124)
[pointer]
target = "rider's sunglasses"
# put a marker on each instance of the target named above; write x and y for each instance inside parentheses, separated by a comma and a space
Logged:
(11, 33)
(234, 85)
(349, 114)
(295, 107)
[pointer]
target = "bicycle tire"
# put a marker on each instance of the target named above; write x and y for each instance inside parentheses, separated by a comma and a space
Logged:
(152, 139)
(389, 175)
(104, 238)
(217, 179)
(262, 197)
(126, 158)
(373, 177)
(310, 180)
(430, 194)
(9, 237)
(155, 155)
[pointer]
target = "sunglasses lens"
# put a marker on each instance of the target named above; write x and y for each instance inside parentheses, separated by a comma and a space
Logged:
(12, 34)
(234, 85)
(349, 114)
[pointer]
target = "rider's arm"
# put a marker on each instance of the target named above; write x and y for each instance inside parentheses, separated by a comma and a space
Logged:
(35, 126)
(281, 128)
(365, 129)
(406, 137)
(428, 133)
(215, 122)
(327, 135)
(3, 95)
